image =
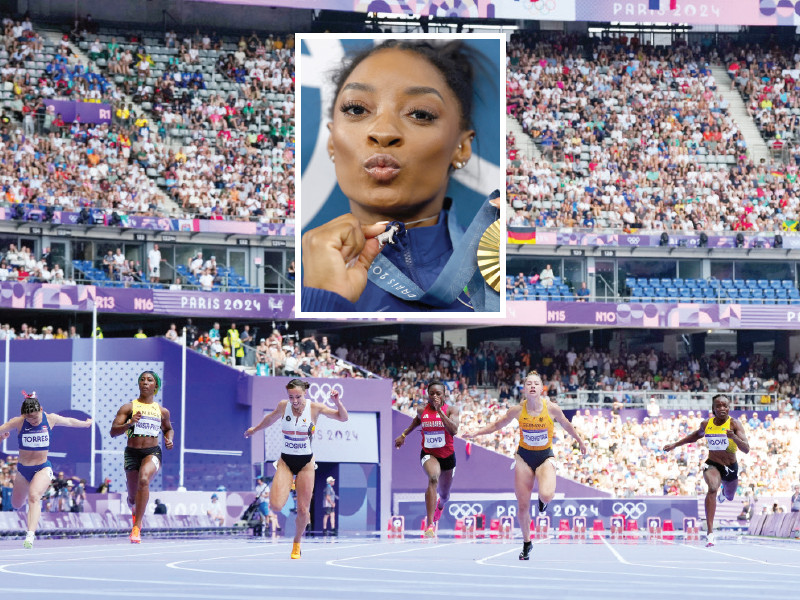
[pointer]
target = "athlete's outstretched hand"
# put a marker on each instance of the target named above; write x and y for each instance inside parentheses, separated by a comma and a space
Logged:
(669, 447)
(168, 444)
(337, 256)
(249, 432)
(4, 435)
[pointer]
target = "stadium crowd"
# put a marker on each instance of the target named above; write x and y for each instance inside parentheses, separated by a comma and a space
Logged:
(218, 155)
(634, 137)
(625, 456)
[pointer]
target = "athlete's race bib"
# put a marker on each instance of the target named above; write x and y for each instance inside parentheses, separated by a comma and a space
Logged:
(535, 437)
(147, 426)
(296, 446)
(434, 440)
(717, 441)
(40, 439)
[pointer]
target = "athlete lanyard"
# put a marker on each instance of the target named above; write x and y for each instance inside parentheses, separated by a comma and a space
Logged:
(460, 271)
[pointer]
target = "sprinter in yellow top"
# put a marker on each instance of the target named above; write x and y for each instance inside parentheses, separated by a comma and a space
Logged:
(724, 436)
(534, 457)
(142, 420)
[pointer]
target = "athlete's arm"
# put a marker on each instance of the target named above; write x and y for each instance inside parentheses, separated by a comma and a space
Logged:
(416, 422)
(339, 414)
(268, 419)
(559, 416)
(14, 423)
(67, 421)
(511, 414)
(122, 422)
(736, 433)
(166, 428)
(451, 419)
(692, 437)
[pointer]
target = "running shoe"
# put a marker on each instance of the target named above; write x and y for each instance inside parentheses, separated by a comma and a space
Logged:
(296, 550)
(526, 551)
(430, 531)
(542, 506)
(711, 540)
(136, 535)
(720, 497)
(28, 545)
(437, 514)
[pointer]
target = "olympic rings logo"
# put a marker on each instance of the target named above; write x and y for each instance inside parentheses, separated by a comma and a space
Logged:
(629, 509)
(542, 6)
(633, 240)
(459, 511)
(321, 392)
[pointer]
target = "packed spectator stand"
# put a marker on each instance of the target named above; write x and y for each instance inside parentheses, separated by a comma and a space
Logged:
(635, 138)
(219, 141)
(624, 456)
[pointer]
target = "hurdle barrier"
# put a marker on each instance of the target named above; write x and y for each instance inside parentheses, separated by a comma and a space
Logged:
(470, 524)
(507, 527)
(654, 527)
(599, 529)
(397, 527)
(631, 529)
(668, 527)
(564, 529)
(494, 528)
(691, 529)
(542, 527)
(617, 526)
(579, 527)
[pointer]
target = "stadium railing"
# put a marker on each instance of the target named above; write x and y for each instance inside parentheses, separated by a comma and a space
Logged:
(667, 400)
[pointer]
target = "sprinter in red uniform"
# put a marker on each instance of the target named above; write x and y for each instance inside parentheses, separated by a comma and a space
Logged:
(439, 424)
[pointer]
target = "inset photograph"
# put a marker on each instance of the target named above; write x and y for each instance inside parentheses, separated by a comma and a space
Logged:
(401, 190)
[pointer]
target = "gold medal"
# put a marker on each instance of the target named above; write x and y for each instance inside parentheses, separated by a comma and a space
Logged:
(489, 255)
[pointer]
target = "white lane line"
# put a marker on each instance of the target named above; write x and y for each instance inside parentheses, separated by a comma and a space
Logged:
(615, 553)
(104, 593)
(283, 552)
(333, 562)
(756, 560)
(482, 561)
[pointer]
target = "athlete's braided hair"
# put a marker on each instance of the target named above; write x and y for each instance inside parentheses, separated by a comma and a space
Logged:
(30, 404)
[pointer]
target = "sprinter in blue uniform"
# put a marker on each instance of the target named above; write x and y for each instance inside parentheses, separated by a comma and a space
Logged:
(34, 471)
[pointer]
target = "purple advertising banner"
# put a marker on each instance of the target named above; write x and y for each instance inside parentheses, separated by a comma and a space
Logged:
(144, 301)
(35, 213)
(636, 509)
(85, 112)
(634, 314)
(693, 12)
(629, 240)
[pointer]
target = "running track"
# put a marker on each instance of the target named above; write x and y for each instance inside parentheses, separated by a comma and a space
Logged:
(354, 568)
